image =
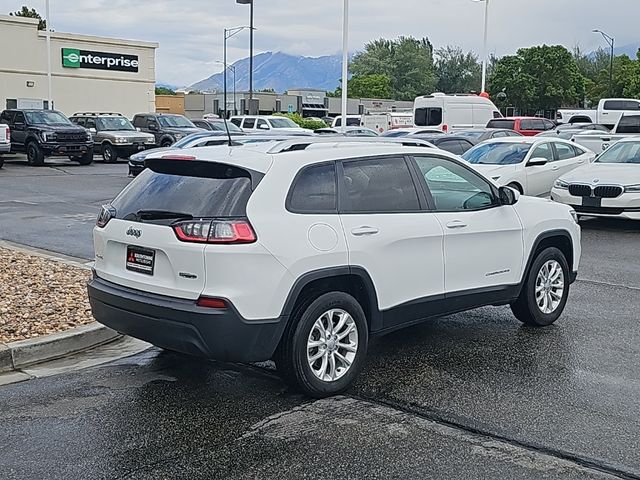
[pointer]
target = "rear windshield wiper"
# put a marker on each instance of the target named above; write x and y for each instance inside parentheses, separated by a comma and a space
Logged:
(160, 214)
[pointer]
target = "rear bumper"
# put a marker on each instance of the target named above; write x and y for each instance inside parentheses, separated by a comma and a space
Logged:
(5, 147)
(180, 325)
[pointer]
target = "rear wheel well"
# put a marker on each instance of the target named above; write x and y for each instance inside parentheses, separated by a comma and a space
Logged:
(562, 243)
(351, 284)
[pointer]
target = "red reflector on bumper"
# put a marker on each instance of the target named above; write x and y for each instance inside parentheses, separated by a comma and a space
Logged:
(211, 302)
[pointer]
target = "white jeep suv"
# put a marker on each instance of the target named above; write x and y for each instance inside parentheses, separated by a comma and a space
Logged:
(300, 250)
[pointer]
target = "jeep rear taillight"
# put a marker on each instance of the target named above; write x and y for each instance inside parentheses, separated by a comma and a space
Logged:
(106, 213)
(215, 231)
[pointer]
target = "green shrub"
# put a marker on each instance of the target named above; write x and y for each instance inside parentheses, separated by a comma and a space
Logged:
(303, 122)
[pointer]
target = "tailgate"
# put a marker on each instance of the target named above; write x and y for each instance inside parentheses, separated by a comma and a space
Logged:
(177, 269)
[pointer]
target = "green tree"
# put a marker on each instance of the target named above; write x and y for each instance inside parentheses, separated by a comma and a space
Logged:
(30, 13)
(457, 72)
(407, 62)
(366, 86)
(303, 122)
(538, 78)
(164, 91)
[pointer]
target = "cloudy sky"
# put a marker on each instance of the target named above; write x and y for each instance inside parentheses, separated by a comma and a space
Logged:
(190, 31)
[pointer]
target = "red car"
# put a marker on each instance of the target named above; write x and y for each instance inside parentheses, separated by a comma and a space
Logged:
(528, 126)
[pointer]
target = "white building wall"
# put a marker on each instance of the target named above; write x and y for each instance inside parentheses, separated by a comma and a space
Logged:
(23, 71)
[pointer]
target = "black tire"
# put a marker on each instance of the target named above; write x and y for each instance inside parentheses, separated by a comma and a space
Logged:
(516, 187)
(86, 159)
(109, 153)
(35, 156)
(166, 143)
(291, 355)
(526, 308)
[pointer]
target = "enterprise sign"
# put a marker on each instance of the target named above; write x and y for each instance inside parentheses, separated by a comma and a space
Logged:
(75, 58)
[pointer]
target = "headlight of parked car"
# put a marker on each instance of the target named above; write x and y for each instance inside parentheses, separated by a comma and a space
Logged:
(150, 140)
(574, 215)
(88, 136)
(49, 136)
(178, 136)
(121, 139)
(561, 184)
(632, 188)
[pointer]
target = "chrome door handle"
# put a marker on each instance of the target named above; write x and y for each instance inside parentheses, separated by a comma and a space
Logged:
(364, 230)
(555, 167)
(456, 224)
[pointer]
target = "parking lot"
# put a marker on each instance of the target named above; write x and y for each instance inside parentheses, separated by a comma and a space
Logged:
(474, 395)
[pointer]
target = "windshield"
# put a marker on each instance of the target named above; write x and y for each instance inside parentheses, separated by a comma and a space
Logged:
(622, 152)
(501, 123)
(282, 123)
(175, 121)
(219, 126)
(114, 123)
(47, 117)
(497, 153)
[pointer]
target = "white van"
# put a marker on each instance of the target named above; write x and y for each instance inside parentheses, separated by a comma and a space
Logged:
(453, 112)
(382, 122)
(352, 121)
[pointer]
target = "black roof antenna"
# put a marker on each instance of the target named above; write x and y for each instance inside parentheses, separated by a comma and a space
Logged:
(226, 127)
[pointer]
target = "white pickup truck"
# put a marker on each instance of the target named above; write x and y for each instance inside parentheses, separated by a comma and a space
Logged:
(5, 141)
(608, 112)
(628, 126)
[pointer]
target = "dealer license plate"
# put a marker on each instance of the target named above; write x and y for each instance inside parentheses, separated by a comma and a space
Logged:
(140, 260)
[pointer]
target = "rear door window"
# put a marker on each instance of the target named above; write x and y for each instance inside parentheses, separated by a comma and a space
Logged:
(379, 185)
(314, 190)
(428, 117)
(249, 123)
(527, 125)
(627, 124)
(138, 121)
(543, 151)
(199, 189)
(564, 151)
(501, 123)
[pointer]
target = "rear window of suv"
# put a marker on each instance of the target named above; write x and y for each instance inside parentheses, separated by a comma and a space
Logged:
(501, 123)
(199, 189)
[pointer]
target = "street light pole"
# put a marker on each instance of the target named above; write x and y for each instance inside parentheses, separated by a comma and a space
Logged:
(48, 32)
(228, 33)
(345, 64)
(233, 70)
(250, 3)
(484, 44)
(611, 41)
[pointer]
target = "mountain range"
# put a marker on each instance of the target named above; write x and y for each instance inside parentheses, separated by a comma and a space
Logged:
(278, 71)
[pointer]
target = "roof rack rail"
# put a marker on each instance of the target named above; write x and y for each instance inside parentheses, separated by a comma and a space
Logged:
(96, 114)
(303, 142)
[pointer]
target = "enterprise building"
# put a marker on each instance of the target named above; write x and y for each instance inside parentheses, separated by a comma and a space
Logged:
(87, 73)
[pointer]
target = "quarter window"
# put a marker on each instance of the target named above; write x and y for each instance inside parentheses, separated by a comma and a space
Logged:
(381, 185)
(453, 187)
(314, 190)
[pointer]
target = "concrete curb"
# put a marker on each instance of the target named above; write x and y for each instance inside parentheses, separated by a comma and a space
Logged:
(19, 354)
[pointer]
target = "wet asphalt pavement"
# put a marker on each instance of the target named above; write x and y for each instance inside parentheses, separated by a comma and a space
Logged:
(474, 395)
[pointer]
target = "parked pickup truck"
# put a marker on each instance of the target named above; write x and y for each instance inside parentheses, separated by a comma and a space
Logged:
(5, 141)
(608, 112)
(627, 126)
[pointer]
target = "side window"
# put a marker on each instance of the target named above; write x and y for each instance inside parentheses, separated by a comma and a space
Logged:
(19, 118)
(451, 146)
(564, 151)
(314, 190)
(631, 105)
(80, 121)
(262, 124)
(537, 125)
(629, 124)
(549, 125)
(138, 121)
(91, 123)
(236, 121)
(453, 187)
(578, 151)
(499, 134)
(543, 151)
(151, 121)
(249, 123)
(526, 125)
(6, 117)
(428, 117)
(380, 185)
(497, 114)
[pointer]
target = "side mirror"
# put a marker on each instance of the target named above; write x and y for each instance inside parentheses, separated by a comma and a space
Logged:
(536, 162)
(93, 130)
(138, 129)
(508, 195)
(263, 127)
(153, 127)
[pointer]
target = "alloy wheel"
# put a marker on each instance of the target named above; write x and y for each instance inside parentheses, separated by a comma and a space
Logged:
(549, 286)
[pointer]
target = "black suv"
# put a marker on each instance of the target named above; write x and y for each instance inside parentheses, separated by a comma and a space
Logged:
(47, 133)
(168, 128)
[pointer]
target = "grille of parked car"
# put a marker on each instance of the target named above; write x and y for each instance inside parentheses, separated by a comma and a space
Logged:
(580, 190)
(71, 137)
(600, 210)
(608, 191)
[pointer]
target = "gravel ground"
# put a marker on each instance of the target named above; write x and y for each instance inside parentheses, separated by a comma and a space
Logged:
(39, 296)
